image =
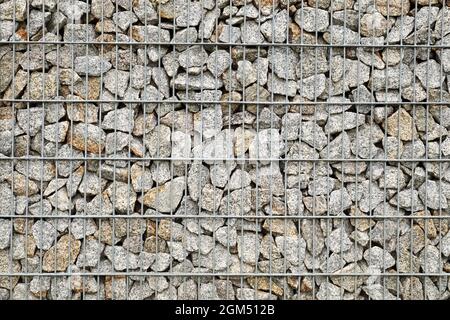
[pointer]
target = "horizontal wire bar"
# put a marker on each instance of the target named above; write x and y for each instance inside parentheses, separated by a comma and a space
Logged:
(227, 44)
(220, 274)
(247, 102)
(90, 158)
(231, 216)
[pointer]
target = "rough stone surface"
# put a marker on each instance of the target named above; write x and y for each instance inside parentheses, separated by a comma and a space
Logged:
(165, 198)
(400, 124)
(5, 233)
(91, 65)
(312, 19)
(87, 137)
(312, 87)
(44, 234)
(379, 258)
(65, 252)
(393, 8)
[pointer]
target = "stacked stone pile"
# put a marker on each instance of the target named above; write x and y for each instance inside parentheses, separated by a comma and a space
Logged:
(224, 149)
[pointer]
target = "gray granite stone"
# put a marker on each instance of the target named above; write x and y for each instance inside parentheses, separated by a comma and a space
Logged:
(312, 19)
(378, 257)
(312, 87)
(283, 62)
(276, 29)
(430, 74)
(91, 65)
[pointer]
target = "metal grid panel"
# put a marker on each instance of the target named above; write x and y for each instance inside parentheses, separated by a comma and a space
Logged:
(233, 149)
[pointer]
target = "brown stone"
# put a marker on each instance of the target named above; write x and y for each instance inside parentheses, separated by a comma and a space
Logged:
(106, 38)
(280, 226)
(87, 137)
(82, 112)
(115, 288)
(93, 88)
(165, 229)
(446, 267)
(22, 33)
(394, 7)
(400, 124)
(15, 89)
(266, 6)
(165, 198)
(20, 225)
(293, 282)
(428, 224)
(105, 233)
(27, 244)
(412, 289)
(295, 32)
(153, 245)
(151, 228)
(306, 285)
(416, 239)
(31, 245)
(58, 257)
(42, 86)
(360, 224)
(264, 284)
(22, 186)
(167, 9)
(6, 113)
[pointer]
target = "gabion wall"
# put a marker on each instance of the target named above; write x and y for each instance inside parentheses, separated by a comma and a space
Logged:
(229, 149)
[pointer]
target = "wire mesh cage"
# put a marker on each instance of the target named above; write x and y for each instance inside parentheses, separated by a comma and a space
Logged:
(224, 149)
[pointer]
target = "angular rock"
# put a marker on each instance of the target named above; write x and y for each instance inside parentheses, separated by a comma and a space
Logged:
(87, 137)
(58, 257)
(401, 124)
(119, 119)
(430, 74)
(5, 233)
(312, 87)
(379, 258)
(165, 198)
(91, 65)
(280, 23)
(116, 81)
(44, 234)
(312, 19)
(56, 132)
(283, 62)
(393, 8)
(432, 196)
(266, 145)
